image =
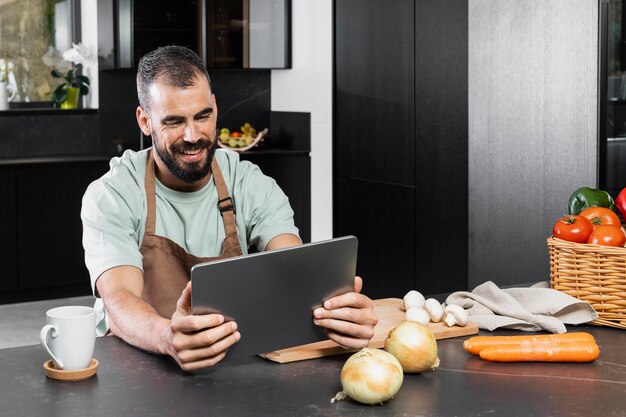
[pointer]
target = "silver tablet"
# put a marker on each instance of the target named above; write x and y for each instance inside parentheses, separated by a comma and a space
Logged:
(271, 295)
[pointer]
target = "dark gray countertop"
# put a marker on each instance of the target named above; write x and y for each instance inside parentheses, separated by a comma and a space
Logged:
(132, 382)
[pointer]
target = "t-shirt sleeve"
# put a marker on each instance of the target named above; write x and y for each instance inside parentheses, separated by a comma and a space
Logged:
(266, 207)
(111, 232)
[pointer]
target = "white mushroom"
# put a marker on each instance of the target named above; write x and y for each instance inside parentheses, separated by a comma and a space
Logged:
(455, 314)
(434, 309)
(417, 314)
(412, 299)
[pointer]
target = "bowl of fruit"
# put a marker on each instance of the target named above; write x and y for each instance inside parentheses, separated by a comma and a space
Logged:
(244, 139)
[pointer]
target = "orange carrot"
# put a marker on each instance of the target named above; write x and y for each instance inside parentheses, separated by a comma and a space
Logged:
(559, 352)
(476, 344)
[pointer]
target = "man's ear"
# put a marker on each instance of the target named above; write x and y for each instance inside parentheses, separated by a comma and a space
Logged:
(143, 121)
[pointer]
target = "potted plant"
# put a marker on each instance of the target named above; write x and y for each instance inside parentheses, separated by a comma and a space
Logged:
(75, 84)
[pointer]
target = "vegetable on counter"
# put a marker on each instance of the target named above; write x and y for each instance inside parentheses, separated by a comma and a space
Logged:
(607, 236)
(411, 299)
(454, 314)
(566, 347)
(414, 345)
(620, 202)
(477, 343)
(601, 216)
(588, 197)
(573, 228)
(370, 376)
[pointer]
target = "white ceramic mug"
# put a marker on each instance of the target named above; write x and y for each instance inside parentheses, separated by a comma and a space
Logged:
(70, 336)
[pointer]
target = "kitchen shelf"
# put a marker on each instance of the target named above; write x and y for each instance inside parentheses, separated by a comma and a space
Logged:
(54, 159)
(45, 111)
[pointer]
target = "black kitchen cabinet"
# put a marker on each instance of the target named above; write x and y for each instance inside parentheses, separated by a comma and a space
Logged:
(41, 208)
(401, 147)
(233, 34)
(8, 227)
(49, 200)
(374, 90)
(371, 211)
(165, 22)
(292, 172)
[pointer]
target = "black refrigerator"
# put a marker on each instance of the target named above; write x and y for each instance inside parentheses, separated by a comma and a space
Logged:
(612, 96)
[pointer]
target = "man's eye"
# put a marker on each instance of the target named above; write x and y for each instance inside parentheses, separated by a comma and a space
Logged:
(204, 117)
(172, 123)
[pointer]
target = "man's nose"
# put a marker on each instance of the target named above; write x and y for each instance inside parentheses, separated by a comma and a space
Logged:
(191, 133)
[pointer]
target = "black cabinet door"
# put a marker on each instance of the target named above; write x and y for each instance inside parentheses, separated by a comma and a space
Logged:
(8, 229)
(441, 145)
(50, 230)
(381, 217)
(293, 176)
(374, 97)
(402, 119)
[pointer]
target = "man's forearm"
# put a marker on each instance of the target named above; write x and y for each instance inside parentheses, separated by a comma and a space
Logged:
(130, 317)
(138, 323)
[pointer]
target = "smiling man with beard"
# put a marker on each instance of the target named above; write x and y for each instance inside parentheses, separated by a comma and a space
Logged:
(160, 211)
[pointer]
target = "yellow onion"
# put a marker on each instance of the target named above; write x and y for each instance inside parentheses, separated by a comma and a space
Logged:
(370, 376)
(414, 345)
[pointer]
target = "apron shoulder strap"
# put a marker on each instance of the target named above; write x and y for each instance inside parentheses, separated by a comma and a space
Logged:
(150, 194)
(225, 203)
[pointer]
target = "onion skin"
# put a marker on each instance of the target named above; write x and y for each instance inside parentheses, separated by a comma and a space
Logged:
(371, 376)
(414, 345)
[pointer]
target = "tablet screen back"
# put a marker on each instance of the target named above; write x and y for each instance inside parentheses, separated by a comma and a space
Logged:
(271, 295)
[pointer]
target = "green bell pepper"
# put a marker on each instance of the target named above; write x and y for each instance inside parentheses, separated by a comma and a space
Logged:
(588, 197)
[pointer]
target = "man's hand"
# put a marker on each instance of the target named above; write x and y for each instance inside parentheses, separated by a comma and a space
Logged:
(349, 319)
(199, 341)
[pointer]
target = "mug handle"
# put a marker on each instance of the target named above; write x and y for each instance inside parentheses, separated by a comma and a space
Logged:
(43, 338)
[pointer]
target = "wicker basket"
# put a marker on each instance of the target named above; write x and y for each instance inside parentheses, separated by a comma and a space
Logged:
(592, 273)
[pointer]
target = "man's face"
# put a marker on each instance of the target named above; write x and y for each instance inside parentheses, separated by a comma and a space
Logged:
(184, 130)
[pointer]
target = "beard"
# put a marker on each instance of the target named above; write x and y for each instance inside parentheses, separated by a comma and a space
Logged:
(185, 171)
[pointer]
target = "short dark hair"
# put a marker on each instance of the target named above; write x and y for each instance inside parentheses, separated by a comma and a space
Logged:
(176, 65)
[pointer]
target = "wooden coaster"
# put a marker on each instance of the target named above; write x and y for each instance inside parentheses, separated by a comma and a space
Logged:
(76, 375)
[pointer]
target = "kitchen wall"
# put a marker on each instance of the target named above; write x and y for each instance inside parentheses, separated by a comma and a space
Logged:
(533, 108)
(307, 87)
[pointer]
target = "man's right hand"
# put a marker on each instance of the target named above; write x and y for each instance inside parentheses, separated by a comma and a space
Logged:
(199, 341)
(194, 341)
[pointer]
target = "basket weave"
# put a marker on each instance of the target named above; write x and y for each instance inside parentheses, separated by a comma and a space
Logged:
(592, 273)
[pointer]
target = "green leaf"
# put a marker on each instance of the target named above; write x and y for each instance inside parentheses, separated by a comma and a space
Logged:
(56, 74)
(84, 90)
(84, 79)
(59, 95)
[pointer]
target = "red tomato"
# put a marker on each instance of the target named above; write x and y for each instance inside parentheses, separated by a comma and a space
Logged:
(573, 228)
(601, 216)
(607, 236)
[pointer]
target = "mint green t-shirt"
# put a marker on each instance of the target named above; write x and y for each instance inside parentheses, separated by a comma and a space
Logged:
(114, 212)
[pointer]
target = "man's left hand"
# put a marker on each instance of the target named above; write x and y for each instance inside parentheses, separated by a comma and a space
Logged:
(349, 319)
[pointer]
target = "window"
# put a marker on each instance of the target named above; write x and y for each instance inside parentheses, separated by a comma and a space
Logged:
(33, 35)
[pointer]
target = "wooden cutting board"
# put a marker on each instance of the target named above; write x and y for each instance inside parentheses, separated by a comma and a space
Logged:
(389, 314)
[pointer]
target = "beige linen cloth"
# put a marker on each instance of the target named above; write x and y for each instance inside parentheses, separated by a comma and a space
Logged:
(530, 309)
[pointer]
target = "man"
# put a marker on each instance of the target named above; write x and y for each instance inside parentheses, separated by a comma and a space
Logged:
(158, 212)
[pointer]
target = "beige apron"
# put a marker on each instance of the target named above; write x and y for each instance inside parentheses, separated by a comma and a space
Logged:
(167, 266)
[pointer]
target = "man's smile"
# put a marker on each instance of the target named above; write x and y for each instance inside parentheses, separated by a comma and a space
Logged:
(192, 155)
